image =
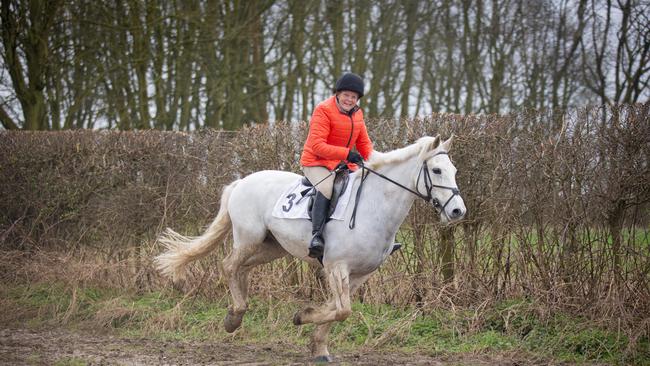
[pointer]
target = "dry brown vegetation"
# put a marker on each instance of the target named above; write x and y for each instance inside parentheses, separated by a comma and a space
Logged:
(558, 212)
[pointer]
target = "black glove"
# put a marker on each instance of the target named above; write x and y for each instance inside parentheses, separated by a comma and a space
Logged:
(354, 157)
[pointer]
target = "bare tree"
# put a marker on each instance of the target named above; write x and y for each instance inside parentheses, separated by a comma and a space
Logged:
(26, 26)
(619, 36)
(412, 24)
(222, 64)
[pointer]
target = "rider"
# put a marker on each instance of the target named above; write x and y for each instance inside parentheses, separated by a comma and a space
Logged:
(336, 127)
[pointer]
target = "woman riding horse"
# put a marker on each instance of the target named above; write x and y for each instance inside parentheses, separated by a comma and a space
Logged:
(336, 127)
(420, 170)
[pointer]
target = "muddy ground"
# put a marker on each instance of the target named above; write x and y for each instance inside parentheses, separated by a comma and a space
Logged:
(78, 347)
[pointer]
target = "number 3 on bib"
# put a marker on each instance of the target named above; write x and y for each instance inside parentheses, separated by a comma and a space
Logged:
(290, 198)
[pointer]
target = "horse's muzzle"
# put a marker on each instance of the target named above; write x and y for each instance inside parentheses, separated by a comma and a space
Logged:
(454, 209)
(457, 214)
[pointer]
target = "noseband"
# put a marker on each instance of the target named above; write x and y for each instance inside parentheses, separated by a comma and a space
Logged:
(428, 184)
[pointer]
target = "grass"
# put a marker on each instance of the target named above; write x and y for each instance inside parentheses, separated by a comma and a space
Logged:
(71, 361)
(511, 326)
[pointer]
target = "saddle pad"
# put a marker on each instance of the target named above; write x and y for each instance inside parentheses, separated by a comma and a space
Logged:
(292, 205)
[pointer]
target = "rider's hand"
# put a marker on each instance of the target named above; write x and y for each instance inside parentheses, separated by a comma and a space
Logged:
(354, 157)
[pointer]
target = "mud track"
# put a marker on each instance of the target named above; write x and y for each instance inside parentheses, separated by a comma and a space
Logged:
(76, 347)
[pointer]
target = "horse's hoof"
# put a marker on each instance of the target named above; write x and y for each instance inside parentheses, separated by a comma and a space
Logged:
(296, 319)
(232, 321)
(323, 359)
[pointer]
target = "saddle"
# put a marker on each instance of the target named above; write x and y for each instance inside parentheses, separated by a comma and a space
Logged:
(340, 184)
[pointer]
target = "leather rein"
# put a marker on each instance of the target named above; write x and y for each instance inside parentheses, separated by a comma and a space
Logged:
(428, 184)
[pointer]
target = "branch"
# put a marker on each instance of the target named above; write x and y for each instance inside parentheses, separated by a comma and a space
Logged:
(7, 121)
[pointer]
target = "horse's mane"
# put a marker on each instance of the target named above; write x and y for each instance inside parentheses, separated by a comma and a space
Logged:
(378, 159)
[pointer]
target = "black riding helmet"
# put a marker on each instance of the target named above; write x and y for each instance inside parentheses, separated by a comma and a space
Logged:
(350, 81)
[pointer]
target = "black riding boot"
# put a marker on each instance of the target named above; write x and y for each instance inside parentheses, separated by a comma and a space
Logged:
(319, 212)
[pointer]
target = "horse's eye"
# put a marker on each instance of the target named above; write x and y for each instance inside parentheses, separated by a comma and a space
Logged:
(436, 171)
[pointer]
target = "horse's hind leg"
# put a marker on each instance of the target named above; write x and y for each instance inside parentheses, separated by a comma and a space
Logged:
(232, 268)
(237, 266)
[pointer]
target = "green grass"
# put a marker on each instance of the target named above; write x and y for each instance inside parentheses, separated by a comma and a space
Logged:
(71, 361)
(34, 359)
(510, 326)
(601, 236)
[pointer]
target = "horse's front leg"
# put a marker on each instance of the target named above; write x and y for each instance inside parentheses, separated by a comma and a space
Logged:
(319, 338)
(319, 341)
(338, 308)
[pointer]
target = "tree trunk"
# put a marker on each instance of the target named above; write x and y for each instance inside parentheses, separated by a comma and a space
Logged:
(447, 253)
(410, 8)
(34, 18)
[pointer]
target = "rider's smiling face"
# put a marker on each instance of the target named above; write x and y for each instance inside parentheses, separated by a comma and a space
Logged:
(347, 99)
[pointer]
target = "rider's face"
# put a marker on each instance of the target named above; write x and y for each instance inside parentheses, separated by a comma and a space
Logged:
(347, 99)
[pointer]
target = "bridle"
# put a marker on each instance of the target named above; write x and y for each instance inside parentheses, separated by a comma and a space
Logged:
(428, 185)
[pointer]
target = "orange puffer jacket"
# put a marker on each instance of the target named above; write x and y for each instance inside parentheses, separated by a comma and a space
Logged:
(332, 134)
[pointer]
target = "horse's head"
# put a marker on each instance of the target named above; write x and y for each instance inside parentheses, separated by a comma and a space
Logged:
(437, 179)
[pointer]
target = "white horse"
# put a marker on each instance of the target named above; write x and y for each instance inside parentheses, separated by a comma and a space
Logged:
(350, 256)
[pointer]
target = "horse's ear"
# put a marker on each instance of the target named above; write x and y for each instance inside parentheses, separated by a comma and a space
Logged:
(428, 147)
(447, 144)
(435, 142)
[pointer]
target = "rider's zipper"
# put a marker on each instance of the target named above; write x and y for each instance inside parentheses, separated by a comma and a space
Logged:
(351, 131)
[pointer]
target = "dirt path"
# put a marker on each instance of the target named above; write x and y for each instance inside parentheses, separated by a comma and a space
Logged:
(67, 347)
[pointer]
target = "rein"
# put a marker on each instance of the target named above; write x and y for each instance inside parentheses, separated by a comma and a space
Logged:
(428, 184)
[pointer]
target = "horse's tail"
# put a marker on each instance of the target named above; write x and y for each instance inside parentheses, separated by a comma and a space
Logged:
(182, 250)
